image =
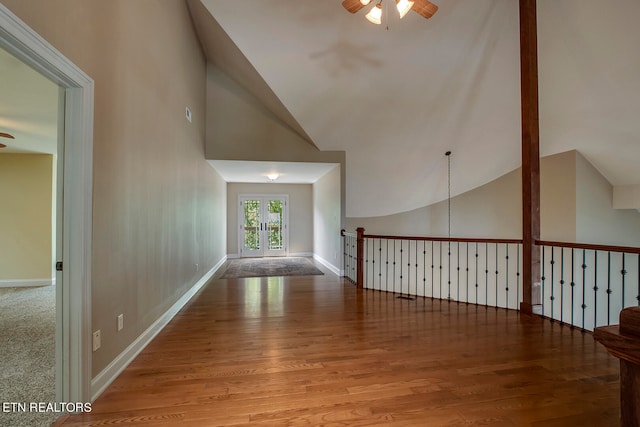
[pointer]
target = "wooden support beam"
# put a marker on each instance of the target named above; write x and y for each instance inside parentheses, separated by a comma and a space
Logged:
(530, 157)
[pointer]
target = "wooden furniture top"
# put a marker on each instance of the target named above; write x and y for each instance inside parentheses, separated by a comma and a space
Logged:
(622, 341)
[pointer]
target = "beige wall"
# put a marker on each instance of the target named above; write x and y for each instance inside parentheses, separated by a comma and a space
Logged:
(300, 213)
(491, 211)
(596, 221)
(326, 218)
(25, 217)
(239, 127)
(575, 206)
(158, 207)
(558, 197)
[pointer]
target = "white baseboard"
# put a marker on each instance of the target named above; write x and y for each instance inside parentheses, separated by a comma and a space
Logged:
(302, 254)
(26, 283)
(327, 264)
(111, 372)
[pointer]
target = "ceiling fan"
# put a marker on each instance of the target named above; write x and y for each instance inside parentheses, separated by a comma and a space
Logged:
(5, 135)
(424, 8)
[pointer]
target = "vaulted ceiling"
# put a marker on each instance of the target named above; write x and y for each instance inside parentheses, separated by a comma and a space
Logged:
(397, 99)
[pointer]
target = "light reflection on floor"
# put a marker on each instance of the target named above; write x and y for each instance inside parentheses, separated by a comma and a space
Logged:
(264, 296)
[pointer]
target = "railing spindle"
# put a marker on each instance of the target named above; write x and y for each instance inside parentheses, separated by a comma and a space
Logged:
(506, 287)
(561, 286)
(416, 251)
(424, 268)
(432, 272)
(608, 289)
(595, 289)
(467, 268)
(486, 274)
(496, 275)
(518, 278)
(380, 265)
(477, 273)
(624, 275)
(542, 280)
(552, 297)
(366, 261)
(440, 280)
(386, 282)
(584, 286)
(401, 267)
(458, 271)
(573, 286)
(449, 270)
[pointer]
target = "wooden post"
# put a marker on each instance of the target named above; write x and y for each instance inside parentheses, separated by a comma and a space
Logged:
(530, 158)
(623, 342)
(360, 257)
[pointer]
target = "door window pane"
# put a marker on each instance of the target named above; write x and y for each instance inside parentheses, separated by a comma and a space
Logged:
(274, 224)
(251, 224)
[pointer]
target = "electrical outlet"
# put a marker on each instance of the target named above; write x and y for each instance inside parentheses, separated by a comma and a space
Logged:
(120, 321)
(96, 340)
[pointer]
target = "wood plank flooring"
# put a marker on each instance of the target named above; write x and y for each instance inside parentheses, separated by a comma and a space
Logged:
(314, 351)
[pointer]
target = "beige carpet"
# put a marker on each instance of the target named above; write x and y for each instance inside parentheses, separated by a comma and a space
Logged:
(270, 267)
(27, 353)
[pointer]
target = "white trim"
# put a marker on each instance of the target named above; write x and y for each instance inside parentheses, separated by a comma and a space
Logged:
(73, 296)
(303, 254)
(26, 283)
(117, 365)
(335, 270)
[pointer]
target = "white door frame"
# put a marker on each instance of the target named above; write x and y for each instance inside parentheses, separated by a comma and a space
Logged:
(285, 232)
(73, 286)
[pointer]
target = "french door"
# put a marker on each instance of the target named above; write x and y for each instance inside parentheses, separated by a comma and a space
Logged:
(263, 225)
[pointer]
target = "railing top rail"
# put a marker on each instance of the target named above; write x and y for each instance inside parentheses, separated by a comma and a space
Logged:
(347, 233)
(587, 246)
(442, 239)
(605, 248)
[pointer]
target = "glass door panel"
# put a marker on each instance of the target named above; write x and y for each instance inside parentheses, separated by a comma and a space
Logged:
(275, 227)
(252, 216)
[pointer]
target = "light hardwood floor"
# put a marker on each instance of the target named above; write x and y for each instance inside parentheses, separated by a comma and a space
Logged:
(314, 351)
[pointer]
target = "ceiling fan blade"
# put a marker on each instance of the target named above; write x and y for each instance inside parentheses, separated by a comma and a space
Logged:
(352, 5)
(425, 8)
(2, 145)
(6, 135)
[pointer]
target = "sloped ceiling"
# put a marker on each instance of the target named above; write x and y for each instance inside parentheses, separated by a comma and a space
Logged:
(397, 99)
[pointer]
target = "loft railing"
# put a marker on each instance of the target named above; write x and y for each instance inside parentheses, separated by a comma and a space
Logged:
(584, 286)
(349, 255)
(588, 285)
(477, 271)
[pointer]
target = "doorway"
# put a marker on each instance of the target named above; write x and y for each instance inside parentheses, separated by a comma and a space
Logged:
(263, 223)
(73, 266)
(31, 119)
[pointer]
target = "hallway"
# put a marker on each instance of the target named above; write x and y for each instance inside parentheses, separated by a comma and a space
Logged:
(315, 351)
